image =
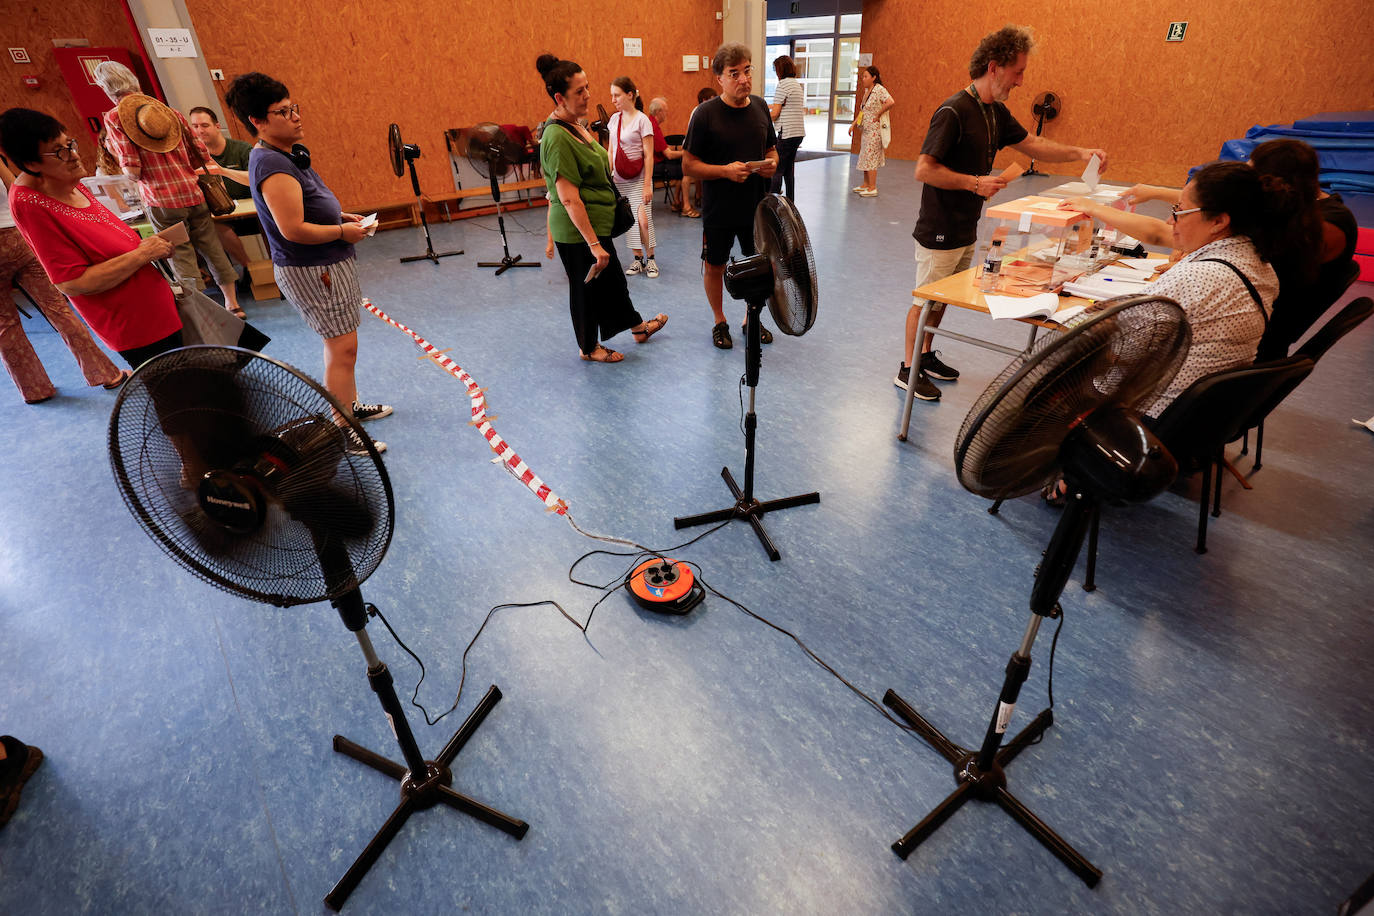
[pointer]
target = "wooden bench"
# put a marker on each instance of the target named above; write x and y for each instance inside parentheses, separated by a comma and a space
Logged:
(441, 201)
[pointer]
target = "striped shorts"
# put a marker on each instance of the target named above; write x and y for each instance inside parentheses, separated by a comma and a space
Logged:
(633, 191)
(328, 297)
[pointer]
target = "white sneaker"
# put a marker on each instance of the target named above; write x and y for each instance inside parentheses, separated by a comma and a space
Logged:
(858, 190)
(650, 269)
(868, 192)
(636, 268)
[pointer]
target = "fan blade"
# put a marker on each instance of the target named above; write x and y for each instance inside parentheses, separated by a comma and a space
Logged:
(330, 508)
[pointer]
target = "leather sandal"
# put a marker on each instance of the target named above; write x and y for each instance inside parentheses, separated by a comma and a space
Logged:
(123, 377)
(651, 327)
(237, 311)
(603, 355)
(691, 212)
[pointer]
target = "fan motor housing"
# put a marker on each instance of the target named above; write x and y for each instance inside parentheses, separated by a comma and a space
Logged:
(233, 501)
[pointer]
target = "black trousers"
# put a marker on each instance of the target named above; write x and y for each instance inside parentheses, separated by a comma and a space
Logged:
(787, 161)
(602, 308)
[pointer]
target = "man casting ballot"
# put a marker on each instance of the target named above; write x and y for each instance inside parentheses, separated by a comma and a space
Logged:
(955, 166)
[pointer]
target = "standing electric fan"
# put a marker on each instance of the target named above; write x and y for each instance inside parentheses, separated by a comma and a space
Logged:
(1045, 108)
(492, 153)
(401, 155)
(1067, 404)
(783, 274)
(238, 467)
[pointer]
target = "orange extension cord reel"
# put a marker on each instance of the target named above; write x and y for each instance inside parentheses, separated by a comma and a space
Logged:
(665, 586)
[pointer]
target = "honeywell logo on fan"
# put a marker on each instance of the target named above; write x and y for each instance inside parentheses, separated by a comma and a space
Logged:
(232, 504)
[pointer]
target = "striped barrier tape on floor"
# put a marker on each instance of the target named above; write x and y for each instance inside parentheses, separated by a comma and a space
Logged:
(480, 418)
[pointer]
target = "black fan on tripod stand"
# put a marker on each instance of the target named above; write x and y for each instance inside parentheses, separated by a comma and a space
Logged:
(492, 153)
(233, 463)
(1045, 108)
(1069, 403)
(403, 154)
(783, 274)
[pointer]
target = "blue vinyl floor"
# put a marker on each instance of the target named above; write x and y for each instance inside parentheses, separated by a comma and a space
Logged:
(1211, 751)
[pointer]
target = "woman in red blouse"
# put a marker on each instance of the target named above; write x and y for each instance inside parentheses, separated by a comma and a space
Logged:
(87, 251)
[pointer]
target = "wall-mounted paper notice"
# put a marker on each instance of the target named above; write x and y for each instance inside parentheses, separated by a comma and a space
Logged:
(634, 47)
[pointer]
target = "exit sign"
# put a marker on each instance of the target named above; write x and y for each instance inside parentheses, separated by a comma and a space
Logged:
(1176, 30)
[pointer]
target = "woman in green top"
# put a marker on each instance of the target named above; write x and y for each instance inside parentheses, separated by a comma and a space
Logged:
(581, 214)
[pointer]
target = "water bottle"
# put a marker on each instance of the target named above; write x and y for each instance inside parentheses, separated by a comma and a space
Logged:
(992, 266)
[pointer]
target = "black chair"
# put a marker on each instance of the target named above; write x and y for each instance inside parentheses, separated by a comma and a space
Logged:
(1345, 321)
(1213, 411)
(668, 170)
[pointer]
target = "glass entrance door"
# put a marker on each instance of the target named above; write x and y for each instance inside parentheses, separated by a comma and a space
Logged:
(846, 85)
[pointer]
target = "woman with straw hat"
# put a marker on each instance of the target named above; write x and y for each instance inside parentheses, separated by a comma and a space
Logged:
(152, 144)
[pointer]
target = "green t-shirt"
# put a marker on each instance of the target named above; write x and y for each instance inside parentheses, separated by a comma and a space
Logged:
(585, 165)
(235, 156)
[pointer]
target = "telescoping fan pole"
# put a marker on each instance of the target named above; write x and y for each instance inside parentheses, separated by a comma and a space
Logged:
(430, 254)
(506, 262)
(424, 783)
(746, 506)
(981, 774)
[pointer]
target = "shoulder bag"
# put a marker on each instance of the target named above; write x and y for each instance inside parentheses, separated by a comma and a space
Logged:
(624, 165)
(211, 186)
(624, 213)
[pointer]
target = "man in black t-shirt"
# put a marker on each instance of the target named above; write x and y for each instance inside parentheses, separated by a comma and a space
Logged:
(954, 167)
(731, 147)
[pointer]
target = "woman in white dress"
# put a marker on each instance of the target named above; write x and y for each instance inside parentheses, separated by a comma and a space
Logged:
(877, 101)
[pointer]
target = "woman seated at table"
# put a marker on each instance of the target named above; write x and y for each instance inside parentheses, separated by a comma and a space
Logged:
(1227, 229)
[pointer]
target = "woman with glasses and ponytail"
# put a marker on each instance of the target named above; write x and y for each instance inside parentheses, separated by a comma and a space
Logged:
(310, 237)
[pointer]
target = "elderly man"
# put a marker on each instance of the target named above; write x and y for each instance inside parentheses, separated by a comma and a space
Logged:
(955, 166)
(232, 157)
(152, 144)
(731, 147)
(668, 160)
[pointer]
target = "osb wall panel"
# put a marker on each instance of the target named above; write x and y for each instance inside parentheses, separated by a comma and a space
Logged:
(1156, 107)
(429, 65)
(32, 25)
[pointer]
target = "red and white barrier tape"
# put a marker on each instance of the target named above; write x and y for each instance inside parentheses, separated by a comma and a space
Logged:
(480, 418)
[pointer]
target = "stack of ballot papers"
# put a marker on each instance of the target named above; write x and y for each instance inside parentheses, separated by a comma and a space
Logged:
(1099, 286)
(1044, 306)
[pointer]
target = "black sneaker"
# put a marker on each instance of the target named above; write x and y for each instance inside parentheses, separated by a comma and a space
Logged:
(903, 377)
(931, 366)
(354, 444)
(925, 388)
(371, 411)
(720, 336)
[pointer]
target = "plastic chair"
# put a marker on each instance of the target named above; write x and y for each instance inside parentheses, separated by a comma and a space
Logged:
(1345, 321)
(670, 171)
(1213, 411)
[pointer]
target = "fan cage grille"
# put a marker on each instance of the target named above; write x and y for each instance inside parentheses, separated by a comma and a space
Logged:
(1126, 355)
(780, 234)
(224, 407)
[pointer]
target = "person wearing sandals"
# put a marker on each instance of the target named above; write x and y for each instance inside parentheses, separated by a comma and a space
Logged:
(632, 147)
(19, 266)
(311, 239)
(732, 147)
(91, 256)
(154, 146)
(577, 174)
(877, 101)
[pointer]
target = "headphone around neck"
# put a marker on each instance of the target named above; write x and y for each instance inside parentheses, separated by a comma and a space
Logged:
(299, 155)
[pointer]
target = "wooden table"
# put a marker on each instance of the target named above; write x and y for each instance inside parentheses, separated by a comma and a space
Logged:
(961, 289)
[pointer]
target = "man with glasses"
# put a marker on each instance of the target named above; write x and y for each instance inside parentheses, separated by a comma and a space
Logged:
(955, 168)
(731, 147)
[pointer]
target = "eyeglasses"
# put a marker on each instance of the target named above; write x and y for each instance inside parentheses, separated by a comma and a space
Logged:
(65, 153)
(1175, 212)
(287, 111)
(737, 75)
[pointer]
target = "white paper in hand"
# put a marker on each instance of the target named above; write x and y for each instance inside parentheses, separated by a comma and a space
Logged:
(1092, 172)
(369, 223)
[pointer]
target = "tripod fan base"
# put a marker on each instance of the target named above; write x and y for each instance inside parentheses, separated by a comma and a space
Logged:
(749, 509)
(986, 785)
(507, 263)
(430, 255)
(420, 795)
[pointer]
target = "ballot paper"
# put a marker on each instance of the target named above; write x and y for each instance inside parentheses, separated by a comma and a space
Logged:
(1012, 172)
(1097, 288)
(1092, 172)
(369, 223)
(1143, 267)
(1045, 305)
(176, 234)
(1367, 424)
